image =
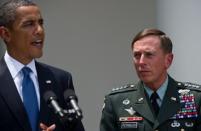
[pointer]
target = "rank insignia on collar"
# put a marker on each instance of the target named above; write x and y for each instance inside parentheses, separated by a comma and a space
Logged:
(130, 111)
(140, 100)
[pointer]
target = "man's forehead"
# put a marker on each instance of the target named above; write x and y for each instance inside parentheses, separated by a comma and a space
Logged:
(145, 50)
(149, 39)
(28, 10)
(28, 13)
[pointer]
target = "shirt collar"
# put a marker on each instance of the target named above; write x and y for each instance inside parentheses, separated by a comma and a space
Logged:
(15, 66)
(161, 91)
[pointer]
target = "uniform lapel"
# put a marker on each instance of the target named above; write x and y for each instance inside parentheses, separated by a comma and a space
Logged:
(170, 104)
(11, 96)
(141, 104)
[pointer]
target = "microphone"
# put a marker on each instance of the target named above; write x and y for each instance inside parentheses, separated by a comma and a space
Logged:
(71, 98)
(51, 100)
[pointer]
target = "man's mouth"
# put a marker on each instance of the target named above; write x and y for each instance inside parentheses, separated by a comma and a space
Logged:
(38, 43)
(144, 72)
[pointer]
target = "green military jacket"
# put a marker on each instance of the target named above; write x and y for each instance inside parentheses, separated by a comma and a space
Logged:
(129, 109)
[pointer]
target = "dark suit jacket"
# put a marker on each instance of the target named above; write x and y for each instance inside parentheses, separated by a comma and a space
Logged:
(129, 109)
(13, 116)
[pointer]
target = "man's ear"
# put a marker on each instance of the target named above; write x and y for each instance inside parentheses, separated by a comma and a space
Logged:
(4, 33)
(169, 59)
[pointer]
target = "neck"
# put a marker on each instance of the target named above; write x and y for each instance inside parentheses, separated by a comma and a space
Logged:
(157, 84)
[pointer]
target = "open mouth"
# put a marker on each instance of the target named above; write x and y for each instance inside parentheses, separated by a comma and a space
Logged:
(37, 43)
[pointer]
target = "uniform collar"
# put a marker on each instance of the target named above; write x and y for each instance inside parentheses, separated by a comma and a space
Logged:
(161, 91)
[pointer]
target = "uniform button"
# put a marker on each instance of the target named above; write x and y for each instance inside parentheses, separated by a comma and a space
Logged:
(182, 129)
(156, 130)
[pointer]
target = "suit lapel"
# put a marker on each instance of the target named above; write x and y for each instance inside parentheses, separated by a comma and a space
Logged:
(170, 104)
(46, 82)
(141, 105)
(11, 96)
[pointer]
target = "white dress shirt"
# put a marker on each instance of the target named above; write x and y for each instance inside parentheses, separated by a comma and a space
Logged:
(15, 68)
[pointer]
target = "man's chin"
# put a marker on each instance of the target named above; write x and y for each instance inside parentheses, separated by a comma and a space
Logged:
(146, 80)
(38, 55)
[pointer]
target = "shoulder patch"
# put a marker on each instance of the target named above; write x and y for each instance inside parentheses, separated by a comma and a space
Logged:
(189, 85)
(124, 88)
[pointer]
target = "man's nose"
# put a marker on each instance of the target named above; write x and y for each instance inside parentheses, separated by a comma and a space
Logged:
(142, 59)
(39, 29)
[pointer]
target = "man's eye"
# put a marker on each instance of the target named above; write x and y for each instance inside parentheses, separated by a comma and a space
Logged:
(149, 54)
(41, 22)
(137, 55)
(30, 23)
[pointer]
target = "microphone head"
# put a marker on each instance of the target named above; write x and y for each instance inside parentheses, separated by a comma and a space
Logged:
(69, 94)
(49, 95)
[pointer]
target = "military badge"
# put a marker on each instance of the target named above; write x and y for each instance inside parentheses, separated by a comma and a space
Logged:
(126, 102)
(189, 124)
(130, 111)
(175, 124)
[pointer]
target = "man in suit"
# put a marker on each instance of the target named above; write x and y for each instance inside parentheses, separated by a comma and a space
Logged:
(157, 102)
(21, 28)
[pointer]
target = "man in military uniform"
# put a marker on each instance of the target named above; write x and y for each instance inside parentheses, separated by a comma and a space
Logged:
(157, 102)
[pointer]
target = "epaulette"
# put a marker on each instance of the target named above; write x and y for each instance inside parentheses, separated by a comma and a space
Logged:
(124, 88)
(189, 85)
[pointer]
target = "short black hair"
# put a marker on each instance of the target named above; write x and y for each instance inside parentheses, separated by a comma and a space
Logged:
(8, 11)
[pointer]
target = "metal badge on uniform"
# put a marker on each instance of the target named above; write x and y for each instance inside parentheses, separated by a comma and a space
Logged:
(184, 91)
(189, 124)
(126, 101)
(175, 124)
(173, 98)
(129, 125)
(140, 100)
(130, 111)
